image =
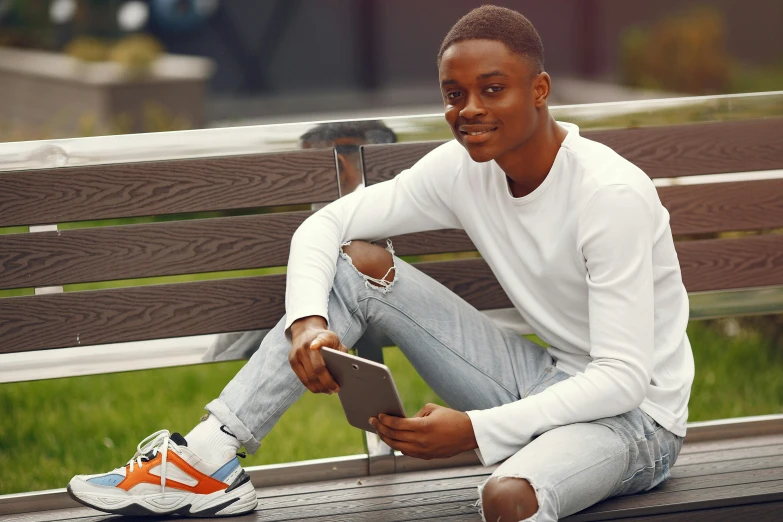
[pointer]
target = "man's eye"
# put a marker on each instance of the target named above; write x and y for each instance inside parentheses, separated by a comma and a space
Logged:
(452, 95)
(494, 88)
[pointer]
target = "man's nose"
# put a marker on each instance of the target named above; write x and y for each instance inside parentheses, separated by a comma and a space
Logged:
(473, 107)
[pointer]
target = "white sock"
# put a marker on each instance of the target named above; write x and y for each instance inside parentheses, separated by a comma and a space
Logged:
(211, 443)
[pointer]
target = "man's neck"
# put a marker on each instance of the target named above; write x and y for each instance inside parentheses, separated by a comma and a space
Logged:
(528, 166)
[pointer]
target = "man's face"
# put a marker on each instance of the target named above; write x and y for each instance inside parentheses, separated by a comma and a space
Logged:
(489, 97)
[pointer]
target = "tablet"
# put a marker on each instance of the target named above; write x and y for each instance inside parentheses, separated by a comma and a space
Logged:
(366, 388)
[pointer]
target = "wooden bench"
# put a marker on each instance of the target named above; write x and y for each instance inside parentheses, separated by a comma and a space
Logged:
(734, 466)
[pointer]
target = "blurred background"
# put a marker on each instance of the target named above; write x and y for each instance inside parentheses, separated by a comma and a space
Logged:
(78, 68)
(87, 67)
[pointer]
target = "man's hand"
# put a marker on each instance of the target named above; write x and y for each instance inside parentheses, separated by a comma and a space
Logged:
(434, 433)
(308, 336)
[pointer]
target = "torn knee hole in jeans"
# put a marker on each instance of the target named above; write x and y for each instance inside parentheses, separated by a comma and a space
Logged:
(479, 505)
(381, 284)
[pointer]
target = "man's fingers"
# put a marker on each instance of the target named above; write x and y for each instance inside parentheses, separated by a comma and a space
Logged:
(314, 384)
(426, 410)
(391, 433)
(400, 423)
(299, 370)
(324, 339)
(320, 371)
(406, 448)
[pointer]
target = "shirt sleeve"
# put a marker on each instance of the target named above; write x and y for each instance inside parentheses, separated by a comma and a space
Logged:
(615, 239)
(416, 200)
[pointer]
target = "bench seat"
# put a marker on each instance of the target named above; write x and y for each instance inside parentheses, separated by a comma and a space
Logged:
(717, 477)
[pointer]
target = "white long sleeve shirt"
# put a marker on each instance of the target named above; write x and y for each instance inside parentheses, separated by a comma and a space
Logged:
(587, 259)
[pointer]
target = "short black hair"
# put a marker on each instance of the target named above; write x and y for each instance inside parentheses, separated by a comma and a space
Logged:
(490, 22)
(371, 131)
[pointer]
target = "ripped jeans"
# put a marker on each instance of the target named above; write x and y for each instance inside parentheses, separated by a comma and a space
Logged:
(471, 364)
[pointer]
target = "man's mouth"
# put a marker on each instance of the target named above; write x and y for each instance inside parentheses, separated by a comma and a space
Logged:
(476, 133)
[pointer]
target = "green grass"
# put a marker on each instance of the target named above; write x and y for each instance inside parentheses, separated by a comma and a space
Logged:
(51, 430)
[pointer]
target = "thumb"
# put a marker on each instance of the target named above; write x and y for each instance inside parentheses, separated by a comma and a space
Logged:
(325, 339)
(426, 410)
(320, 340)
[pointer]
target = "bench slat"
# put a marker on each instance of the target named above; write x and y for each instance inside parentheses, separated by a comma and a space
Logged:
(723, 207)
(724, 264)
(661, 501)
(662, 152)
(699, 148)
(159, 311)
(157, 249)
(762, 512)
(67, 194)
(133, 314)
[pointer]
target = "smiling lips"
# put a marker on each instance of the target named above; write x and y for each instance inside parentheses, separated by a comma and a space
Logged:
(476, 133)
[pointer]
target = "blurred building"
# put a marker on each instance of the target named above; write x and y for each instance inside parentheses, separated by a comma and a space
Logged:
(313, 52)
(289, 60)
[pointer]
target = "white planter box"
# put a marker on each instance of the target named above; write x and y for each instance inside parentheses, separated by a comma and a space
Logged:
(55, 95)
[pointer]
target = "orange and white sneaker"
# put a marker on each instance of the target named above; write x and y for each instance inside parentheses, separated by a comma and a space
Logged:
(165, 477)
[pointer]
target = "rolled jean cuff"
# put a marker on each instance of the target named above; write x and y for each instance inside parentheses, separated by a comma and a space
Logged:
(219, 409)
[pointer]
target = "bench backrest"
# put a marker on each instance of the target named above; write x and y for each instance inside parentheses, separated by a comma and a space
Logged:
(61, 257)
(166, 188)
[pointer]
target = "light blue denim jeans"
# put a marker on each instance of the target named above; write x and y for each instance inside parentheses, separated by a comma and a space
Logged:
(471, 364)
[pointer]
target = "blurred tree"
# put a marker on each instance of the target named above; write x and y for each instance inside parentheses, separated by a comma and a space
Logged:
(682, 53)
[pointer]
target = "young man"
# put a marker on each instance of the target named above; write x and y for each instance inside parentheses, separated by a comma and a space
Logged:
(580, 242)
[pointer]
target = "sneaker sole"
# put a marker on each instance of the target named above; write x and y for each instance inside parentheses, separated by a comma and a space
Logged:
(238, 499)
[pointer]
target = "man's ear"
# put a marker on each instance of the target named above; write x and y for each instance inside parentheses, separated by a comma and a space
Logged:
(542, 85)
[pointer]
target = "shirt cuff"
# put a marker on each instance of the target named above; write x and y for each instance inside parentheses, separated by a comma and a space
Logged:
(307, 311)
(502, 431)
(488, 451)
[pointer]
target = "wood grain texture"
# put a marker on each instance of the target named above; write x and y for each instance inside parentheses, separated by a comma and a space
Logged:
(658, 501)
(372, 481)
(689, 448)
(723, 264)
(147, 312)
(764, 512)
(456, 483)
(383, 162)
(418, 504)
(77, 514)
(432, 242)
(158, 249)
(166, 187)
(726, 455)
(384, 491)
(699, 148)
(721, 207)
(728, 478)
(719, 466)
(662, 152)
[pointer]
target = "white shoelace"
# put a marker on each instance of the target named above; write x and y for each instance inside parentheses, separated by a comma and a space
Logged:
(158, 442)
